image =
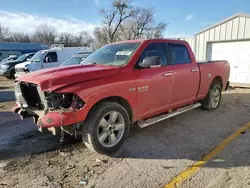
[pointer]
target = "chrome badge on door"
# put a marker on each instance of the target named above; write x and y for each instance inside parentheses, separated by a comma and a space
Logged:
(142, 88)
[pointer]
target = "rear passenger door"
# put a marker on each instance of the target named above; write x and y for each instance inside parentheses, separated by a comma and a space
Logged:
(186, 75)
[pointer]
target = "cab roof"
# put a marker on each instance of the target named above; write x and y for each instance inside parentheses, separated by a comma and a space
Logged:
(151, 40)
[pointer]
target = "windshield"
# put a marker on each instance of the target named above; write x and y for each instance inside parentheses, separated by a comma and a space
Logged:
(22, 57)
(75, 60)
(113, 54)
(38, 56)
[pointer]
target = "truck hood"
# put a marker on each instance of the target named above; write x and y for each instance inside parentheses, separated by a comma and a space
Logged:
(55, 78)
(22, 65)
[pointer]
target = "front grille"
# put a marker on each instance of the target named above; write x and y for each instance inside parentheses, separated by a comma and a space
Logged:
(27, 94)
(19, 96)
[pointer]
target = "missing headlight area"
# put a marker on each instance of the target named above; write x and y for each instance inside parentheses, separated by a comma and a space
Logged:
(28, 95)
(57, 101)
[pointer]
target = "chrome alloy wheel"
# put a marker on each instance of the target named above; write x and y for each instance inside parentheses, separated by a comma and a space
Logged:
(216, 95)
(111, 129)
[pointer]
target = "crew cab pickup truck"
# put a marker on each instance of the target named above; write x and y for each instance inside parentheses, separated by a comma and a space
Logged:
(134, 82)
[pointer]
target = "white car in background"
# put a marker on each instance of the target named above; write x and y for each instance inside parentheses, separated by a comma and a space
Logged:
(48, 58)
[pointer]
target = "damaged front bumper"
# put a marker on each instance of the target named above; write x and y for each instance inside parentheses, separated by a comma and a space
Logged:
(49, 109)
(53, 119)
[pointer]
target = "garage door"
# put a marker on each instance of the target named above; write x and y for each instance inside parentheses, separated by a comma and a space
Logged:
(237, 54)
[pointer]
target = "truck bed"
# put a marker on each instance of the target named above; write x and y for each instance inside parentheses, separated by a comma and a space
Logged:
(214, 61)
(209, 70)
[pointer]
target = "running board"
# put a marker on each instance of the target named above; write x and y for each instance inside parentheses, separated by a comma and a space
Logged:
(162, 117)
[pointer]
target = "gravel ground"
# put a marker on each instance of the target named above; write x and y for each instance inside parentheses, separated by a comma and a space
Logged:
(151, 157)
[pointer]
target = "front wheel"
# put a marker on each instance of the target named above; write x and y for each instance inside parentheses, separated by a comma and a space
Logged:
(106, 128)
(213, 98)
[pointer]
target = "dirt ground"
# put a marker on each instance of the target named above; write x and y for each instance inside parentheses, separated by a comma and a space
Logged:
(151, 157)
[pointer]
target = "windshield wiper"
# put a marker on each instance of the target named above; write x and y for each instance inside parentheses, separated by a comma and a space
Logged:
(97, 63)
(92, 63)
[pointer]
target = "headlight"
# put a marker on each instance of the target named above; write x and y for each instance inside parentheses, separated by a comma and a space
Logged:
(4, 66)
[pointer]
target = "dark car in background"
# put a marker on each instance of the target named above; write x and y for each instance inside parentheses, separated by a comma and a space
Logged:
(75, 59)
(7, 59)
(7, 68)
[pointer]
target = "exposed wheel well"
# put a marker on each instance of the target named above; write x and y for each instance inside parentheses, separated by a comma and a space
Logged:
(218, 80)
(123, 102)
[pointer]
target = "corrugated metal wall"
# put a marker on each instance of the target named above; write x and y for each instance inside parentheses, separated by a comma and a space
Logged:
(235, 29)
(191, 42)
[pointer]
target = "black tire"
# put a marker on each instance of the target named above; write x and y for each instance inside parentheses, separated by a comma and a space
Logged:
(208, 102)
(91, 127)
(12, 74)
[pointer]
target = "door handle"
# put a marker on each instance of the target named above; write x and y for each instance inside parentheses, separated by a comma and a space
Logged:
(167, 74)
(194, 70)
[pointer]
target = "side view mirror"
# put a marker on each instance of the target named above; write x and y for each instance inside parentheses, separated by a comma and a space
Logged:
(150, 62)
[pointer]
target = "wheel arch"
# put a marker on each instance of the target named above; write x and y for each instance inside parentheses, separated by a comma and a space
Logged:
(217, 80)
(120, 100)
(206, 102)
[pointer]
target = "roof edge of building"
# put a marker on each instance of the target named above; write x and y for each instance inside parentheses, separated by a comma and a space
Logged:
(240, 14)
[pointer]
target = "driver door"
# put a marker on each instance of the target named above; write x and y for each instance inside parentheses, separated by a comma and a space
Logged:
(155, 85)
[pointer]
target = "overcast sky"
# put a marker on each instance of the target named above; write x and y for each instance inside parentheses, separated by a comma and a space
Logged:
(185, 18)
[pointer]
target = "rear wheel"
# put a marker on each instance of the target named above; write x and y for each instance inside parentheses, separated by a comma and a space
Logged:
(106, 128)
(213, 98)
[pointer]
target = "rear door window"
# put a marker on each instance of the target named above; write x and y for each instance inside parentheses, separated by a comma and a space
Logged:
(180, 54)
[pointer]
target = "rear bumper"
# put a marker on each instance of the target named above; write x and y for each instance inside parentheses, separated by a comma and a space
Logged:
(54, 119)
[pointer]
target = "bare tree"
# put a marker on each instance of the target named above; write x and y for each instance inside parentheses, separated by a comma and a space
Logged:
(45, 34)
(19, 37)
(125, 22)
(66, 38)
(83, 39)
(113, 19)
(101, 38)
(142, 21)
(142, 25)
(157, 31)
(4, 31)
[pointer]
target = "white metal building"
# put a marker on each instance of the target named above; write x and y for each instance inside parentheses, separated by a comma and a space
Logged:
(227, 40)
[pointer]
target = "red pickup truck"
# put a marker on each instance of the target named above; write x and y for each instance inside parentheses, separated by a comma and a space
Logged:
(124, 83)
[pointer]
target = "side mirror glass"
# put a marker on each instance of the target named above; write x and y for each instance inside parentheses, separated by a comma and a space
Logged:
(150, 62)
